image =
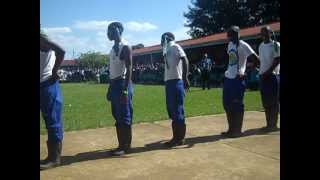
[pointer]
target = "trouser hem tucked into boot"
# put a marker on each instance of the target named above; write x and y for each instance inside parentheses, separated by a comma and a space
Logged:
(178, 131)
(54, 155)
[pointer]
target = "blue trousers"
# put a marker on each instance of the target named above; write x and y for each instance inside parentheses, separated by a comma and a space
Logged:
(269, 89)
(174, 99)
(278, 80)
(233, 92)
(51, 104)
(121, 112)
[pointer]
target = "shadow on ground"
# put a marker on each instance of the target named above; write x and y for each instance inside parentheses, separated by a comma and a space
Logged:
(159, 145)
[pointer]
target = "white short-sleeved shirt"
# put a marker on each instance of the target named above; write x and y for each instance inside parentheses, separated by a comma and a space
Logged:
(117, 66)
(47, 61)
(267, 53)
(173, 63)
(237, 58)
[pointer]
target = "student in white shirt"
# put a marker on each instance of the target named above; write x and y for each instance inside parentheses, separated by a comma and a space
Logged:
(269, 55)
(234, 81)
(51, 101)
(120, 90)
(176, 82)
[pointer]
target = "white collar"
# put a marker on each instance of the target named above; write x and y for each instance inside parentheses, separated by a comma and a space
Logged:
(271, 41)
(171, 43)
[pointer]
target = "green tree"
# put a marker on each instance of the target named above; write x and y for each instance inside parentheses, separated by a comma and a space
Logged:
(93, 60)
(207, 17)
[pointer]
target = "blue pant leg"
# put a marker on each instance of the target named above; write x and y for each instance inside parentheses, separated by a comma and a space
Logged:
(233, 93)
(115, 101)
(224, 94)
(51, 105)
(269, 91)
(179, 109)
(278, 81)
(126, 108)
(170, 98)
(131, 101)
(114, 109)
(227, 94)
(239, 90)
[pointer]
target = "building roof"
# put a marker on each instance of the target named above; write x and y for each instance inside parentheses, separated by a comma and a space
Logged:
(219, 38)
(69, 63)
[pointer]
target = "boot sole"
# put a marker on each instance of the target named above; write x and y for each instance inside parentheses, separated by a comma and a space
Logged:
(232, 135)
(114, 152)
(173, 144)
(49, 167)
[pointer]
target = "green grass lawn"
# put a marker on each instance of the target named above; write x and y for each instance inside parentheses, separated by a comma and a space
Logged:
(85, 105)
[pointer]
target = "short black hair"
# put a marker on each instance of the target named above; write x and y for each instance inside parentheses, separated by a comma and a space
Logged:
(117, 25)
(168, 35)
(267, 28)
(43, 37)
(234, 29)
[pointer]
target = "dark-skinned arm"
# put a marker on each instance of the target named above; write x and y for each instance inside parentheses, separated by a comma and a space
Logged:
(252, 58)
(126, 55)
(128, 62)
(185, 72)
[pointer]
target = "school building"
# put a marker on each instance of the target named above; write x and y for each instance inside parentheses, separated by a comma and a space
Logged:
(214, 45)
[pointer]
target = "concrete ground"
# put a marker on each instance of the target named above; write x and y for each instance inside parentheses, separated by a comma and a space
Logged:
(206, 155)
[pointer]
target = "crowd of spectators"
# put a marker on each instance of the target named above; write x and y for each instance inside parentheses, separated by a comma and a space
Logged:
(154, 74)
(148, 73)
(81, 75)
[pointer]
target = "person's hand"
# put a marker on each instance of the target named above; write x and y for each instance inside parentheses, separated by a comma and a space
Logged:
(265, 75)
(240, 76)
(124, 97)
(109, 93)
(55, 75)
(186, 84)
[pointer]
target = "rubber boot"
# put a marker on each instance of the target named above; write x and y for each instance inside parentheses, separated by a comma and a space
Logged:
(54, 156)
(127, 138)
(174, 136)
(120, 135)
(181, 133)
(124, 134)
(272, 119)
(237, 120)
(230, 127)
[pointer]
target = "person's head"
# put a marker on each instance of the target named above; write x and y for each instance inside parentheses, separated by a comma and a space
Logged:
(233, 34)
(266, 33)
(205, 55)
(43, 42)
(168, 36)
(115, 30)
(42, 38)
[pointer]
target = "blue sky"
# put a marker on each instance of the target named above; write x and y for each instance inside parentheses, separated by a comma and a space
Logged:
(80, 25)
